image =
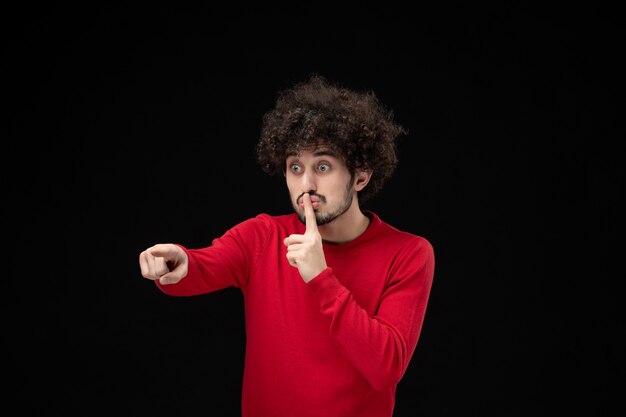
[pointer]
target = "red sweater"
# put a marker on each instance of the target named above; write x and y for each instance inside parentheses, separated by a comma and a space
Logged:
(337, 346)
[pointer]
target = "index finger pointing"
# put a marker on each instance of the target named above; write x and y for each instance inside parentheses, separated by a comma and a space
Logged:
(309, 214)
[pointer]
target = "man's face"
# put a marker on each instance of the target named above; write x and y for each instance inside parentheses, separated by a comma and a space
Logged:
(324, 175)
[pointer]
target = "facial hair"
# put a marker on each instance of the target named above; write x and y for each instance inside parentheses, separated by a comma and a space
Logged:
(325, 218)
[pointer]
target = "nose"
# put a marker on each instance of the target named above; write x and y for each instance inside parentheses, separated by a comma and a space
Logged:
(307, 183)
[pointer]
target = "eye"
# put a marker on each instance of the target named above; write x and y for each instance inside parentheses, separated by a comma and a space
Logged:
(324, 167)
(295, 168)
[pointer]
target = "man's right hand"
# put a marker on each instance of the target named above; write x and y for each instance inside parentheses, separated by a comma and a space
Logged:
(166, 262)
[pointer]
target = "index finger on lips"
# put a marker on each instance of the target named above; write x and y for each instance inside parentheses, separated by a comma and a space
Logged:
(309, 214)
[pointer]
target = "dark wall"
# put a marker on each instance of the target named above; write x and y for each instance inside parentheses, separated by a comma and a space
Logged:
(132, 126)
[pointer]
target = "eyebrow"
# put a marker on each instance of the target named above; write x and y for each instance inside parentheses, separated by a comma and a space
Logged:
(323, 152)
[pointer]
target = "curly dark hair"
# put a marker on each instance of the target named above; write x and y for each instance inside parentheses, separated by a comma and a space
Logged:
(317, 113)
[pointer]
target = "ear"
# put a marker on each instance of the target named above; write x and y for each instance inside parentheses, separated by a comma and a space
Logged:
(361, 179)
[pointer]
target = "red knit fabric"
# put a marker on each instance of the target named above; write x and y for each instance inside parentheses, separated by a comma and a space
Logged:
(337, 346)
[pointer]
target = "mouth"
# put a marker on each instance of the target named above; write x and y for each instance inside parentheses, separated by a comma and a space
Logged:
(316, 200)
(315, 204)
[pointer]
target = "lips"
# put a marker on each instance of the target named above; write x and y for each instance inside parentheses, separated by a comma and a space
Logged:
(316, 200)
(315, 204)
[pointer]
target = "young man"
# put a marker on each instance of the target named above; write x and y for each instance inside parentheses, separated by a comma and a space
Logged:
(334, 297)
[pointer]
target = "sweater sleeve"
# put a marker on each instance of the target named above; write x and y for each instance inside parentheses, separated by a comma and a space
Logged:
(225, 263)
(381, 346)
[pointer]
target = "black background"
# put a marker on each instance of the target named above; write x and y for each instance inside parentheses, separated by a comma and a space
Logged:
(130, 126)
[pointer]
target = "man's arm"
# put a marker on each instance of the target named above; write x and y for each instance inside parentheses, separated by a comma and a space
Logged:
(380, 346)
(225, 263)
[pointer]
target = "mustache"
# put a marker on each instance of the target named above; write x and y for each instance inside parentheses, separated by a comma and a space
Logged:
(320, 197)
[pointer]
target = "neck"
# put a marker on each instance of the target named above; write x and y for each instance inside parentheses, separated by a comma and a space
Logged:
(346, 227)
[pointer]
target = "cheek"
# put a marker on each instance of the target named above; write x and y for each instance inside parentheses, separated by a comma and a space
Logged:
(341, 185)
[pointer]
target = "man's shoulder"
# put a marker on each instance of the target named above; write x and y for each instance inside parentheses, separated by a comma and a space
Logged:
(261, 227)
(275, 219)
(396, 236)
